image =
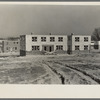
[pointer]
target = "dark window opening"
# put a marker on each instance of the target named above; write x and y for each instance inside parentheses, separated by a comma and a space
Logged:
(60, 39)
(59, 47)
(34, 39)
(77, 47)
(85, 47)
(85, 39)
(77, 39)
(52, 39)
(35, 48)
(43, 39)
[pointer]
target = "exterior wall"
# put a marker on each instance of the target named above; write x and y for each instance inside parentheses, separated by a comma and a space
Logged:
(11, 45)
(72, 43)
(99, 45)
(22, 45)
(68, 43)
(30, 43)
(81, 43)
(23, 42)
(1, 46)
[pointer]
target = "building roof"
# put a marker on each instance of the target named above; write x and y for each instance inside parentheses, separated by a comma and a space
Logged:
(44, 35)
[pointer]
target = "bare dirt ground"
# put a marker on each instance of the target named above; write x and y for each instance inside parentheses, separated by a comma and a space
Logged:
(51, 69)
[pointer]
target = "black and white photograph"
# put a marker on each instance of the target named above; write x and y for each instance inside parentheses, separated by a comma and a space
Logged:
(49, 44)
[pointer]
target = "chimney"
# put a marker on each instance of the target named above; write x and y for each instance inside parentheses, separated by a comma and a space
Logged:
(31, 33)
(72, 33)
(49, 33)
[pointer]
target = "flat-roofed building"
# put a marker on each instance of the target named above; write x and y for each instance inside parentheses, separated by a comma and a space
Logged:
(79, 42)
(46, 43)
(11, 45)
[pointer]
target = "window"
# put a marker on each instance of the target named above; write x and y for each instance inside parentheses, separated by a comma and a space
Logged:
(45, 48)
(15, 48)
(59, 47)
(43, 39)
(17, 42)
(85, 39)
(52, 39)
(77, 39)
(77, 47)
(34, 39)
(35, 48)
(60, 39)
(85, 47)
(14, 42)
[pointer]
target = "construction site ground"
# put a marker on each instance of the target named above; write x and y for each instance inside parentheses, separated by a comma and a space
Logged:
(51, 69)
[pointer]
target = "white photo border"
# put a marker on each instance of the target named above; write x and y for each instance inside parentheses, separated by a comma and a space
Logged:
(50, 91)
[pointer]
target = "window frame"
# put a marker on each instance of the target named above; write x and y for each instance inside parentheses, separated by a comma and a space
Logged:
(59, 47)
(77, 40)
(35, 48)
(43, 39)
(86, 48)
(34, 39)
(77, 46)
(52, 39)
(60, 39)
(86, 39)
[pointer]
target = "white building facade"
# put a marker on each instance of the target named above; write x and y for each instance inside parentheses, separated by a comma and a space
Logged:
(47, 43)
(79, 42)
(54, 43)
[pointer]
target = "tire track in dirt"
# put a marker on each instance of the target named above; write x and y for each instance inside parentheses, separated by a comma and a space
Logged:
(80, 71)
(55, 79)
(59, 75)
(81, 75)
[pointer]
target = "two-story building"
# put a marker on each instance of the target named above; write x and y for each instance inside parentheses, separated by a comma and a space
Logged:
(11, 45)
(53, 43)
(40, 43)
(79, 42)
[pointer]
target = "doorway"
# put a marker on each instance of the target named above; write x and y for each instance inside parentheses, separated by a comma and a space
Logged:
(48, 48)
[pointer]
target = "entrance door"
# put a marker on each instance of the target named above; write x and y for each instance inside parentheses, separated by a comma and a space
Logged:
(45, 48)
(48, 48)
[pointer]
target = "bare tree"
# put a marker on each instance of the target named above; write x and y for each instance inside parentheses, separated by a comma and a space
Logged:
(96, 35)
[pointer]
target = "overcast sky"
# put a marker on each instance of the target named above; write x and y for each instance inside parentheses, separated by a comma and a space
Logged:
(16, 20)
